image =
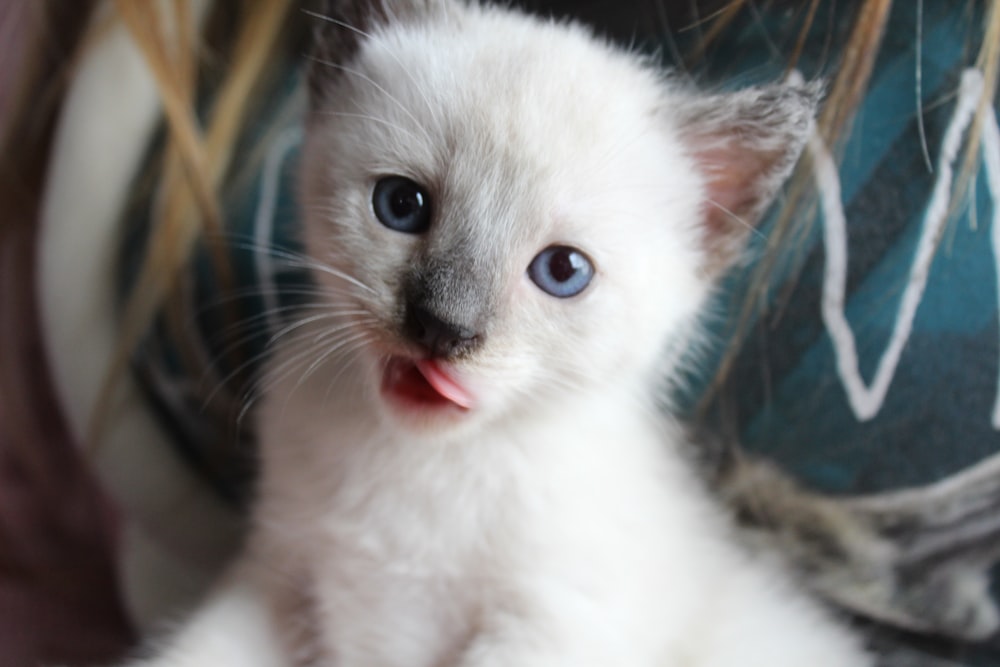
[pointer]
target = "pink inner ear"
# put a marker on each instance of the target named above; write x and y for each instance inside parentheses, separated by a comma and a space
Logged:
(745, 145)
(739, 182)
(733, 188)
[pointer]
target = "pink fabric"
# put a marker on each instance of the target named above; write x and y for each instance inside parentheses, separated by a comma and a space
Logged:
(59, 603)
(11, 24)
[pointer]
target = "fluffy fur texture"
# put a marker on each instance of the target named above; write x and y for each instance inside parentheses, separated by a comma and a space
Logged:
(510, 497)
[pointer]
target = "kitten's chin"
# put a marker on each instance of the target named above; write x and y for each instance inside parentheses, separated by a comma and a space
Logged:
(424, 389)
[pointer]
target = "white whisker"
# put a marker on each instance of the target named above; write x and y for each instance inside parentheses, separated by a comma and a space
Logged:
(374, 119)
(380, 88)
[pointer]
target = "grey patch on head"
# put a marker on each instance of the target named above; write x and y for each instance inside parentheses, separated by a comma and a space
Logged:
(340, 28)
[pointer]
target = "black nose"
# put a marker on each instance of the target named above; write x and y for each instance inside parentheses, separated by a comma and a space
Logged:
(442, 339)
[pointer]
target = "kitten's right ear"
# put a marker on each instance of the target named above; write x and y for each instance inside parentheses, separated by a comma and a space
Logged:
(746, 144)
(340, 27)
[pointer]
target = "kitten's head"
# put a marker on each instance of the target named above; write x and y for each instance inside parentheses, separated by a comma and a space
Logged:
(514, 211)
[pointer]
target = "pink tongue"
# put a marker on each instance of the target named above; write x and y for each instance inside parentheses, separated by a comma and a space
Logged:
(443, 384)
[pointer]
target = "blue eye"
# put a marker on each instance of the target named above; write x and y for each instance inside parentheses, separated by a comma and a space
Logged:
(402, 205)
(561, 271)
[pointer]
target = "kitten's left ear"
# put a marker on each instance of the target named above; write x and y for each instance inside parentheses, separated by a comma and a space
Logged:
(746, 144)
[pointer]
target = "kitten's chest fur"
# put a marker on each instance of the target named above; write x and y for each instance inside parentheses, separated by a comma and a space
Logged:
(422, 535)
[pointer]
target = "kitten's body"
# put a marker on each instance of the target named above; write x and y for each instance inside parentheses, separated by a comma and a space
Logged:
(558, 540)
(507, 496)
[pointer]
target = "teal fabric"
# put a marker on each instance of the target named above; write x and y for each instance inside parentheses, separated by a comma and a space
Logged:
(785, 394)
(202, 378)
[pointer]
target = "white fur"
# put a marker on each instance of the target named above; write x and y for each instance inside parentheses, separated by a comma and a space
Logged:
(557, 523)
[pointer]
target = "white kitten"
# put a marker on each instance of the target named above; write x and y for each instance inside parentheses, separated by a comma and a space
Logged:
(513, 227)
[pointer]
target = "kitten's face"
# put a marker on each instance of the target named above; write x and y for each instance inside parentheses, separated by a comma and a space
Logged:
(514, 208)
